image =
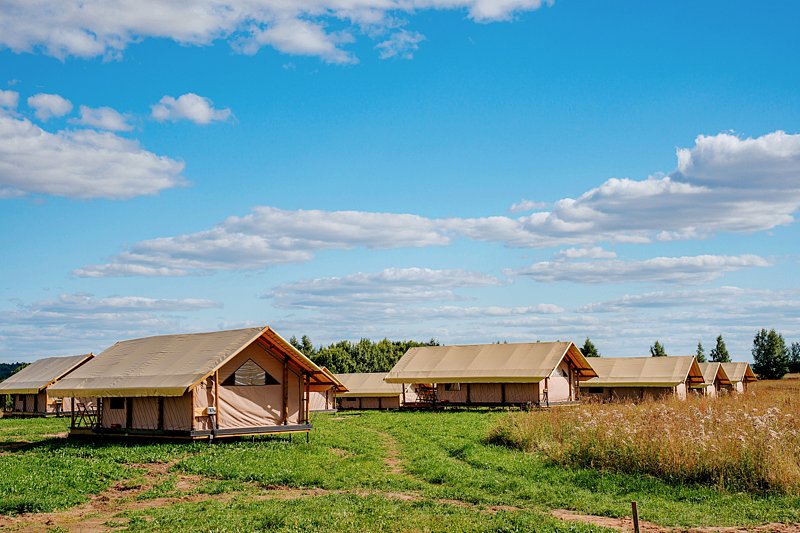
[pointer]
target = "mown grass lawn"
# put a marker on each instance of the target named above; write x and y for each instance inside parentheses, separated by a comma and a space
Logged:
(391, 471)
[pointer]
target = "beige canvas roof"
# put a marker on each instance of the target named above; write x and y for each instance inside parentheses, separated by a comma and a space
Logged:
(40, 374)
(711, 371)
(487, 363)
(168, 365)
(739, 371)
(370, 384)
(335, 384)
(644, 371)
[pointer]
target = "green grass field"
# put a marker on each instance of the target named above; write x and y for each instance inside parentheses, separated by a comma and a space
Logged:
(369, 471)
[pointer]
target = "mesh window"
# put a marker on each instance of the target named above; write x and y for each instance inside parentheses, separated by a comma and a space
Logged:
(117, 403)
(249, 374)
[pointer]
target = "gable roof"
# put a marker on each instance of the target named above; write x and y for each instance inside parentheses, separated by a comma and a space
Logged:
(528, 362)
(711, 371)
(644, 371)
(169, 365)
(739, 371)
(368, 384)
(334, 384)
(40, 374)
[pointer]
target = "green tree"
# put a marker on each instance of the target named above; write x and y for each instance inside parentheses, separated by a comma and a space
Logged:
(588, 349)
(657, 350)
(700, 355)
(362, 356)
(770, 355)
(719, 353)
(794, 357)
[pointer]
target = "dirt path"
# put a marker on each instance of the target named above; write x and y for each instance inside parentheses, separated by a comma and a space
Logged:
(392, 459)
(626, 524)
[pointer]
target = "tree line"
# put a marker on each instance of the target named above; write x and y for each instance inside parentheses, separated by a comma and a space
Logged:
(772, 356)
(345, 357)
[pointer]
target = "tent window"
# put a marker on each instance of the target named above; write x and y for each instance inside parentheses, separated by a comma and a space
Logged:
(117, 403)
(250, 373)
(452, 387)
(595, 390)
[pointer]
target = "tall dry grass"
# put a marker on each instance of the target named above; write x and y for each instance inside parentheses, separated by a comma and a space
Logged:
(745, 442)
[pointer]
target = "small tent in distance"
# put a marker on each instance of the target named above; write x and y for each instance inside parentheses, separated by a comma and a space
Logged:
(740, 375)
(510, 374)
(714, 380)
(370, 391)
(199, 385)
(642, 378)
(29, 388)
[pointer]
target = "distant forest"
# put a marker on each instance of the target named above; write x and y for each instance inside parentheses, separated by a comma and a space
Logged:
(363, 356)
(6, 369)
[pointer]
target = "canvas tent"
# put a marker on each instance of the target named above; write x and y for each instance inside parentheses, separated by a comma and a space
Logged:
(639, 378)
(494, 374)
(369, 391)
(714, 379)
(29, 388)
(323, 398)
(199, 385)
(740, 375)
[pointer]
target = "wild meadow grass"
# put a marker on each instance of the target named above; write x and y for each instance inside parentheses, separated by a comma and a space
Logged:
(748, 442)
(370, 471)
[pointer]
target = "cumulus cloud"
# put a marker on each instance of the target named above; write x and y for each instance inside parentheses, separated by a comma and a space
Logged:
(189, 106)
(79, 163)
(401, 43)
(526, 205)
(47, 106)
(89, 28)
(9, 99)
(595, 252)
(667, 207)
(387, 287)
(79, 323)
(104, 118)
(689, 269)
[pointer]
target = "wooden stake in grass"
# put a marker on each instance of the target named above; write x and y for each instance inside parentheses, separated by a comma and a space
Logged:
(635, 513)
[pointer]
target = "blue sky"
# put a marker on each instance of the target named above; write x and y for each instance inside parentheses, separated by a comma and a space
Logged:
(468, 170)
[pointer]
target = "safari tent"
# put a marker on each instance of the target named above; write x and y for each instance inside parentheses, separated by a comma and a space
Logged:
(200, 385)
(740, 375)
(29, 388)
(322, 398)
(714, 380)
(370, 391)
(641, 378)
(518, 374)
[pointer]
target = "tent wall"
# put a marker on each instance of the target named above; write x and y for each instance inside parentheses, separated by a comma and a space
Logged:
(174, 413)
(322, 401)
(370, 402)
(258, 405)
(559, 386)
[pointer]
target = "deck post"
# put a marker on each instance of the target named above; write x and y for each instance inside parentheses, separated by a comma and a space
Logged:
(216, 397)
(285, 391)
(380, 402)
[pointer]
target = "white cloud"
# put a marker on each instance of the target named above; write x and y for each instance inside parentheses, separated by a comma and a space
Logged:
(671, 207)
(526, 205)
(79, 323)
(79, 163)
(104, 118)
(387, 287)
(47, 106)
(9, 99)
(89, 28)
(189, 106)
(595, 252)
(691, 269)
(401, 43)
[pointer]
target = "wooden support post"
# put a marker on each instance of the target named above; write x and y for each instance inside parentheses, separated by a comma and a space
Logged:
(216, 397)
(404, 393)
(72, 417)
(161, 412)
(128, 413)
(35, 403)
(285, 391)
(307, 406)
(635, 513)
(469, 396)
(503, 393)
(380, 402)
